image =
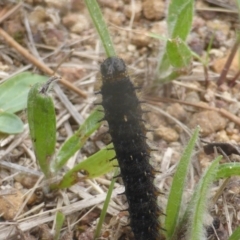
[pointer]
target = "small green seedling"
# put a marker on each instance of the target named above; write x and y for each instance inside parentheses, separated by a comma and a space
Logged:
(42, 124)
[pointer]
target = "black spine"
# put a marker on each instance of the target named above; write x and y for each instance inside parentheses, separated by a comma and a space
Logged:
(123, 114)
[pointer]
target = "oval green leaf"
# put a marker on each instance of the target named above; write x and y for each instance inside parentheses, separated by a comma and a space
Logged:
(177, 189)
(14, 91)
(42, 125)
(96, 165)
(10, 123)
(179, 18)
(178, 53)
(227, 170)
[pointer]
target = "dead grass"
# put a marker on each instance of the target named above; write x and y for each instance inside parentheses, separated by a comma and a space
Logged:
(40, 48)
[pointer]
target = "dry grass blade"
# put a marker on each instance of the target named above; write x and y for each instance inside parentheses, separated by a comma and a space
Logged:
(225, 113)
(37, 63)
(44, 217)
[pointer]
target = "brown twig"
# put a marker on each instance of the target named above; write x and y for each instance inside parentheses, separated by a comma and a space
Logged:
(37, 63)
(233, 81)
(228, 62)
(3, 11)
(205, 71)
(10, 12)
(222, 111)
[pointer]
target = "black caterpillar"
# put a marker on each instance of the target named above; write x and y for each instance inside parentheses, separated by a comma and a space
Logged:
(124, 116)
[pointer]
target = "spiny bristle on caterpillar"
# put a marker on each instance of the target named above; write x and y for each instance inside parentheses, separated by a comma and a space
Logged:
(117, 176)
(120, 194)
(137, 88)
(141, 101)
(124, 210)
(141, 120)
(111, 159)
(102, 119)
(102, 134)
(153, 149)
(97, 104)
(97, 92)
(145, 111)
(109, 149)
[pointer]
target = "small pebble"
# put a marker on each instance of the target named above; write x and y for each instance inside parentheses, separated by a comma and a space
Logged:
(154, 9)
(167, 134)
(177, 111)
(209, 121)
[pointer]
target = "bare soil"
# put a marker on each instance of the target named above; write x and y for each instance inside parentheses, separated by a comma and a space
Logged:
(60, 35)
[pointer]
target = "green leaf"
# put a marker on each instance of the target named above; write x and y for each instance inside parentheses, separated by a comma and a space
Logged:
(179, 54)
(165, 67)
(105, 206)
(173, 75)
(235, 235)
(179, 18)
(177, 189)
(100, 26)
(199, 203)
(10, 123)
(14, 91)
(157, 36)
(77, 140)
(42, 126)
(227, 170)
(94, 166)
(59, 223)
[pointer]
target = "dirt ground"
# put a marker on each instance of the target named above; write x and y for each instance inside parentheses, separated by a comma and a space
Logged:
(60, 34)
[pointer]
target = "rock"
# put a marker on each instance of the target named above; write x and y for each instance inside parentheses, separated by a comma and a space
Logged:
(218, 64)
(209, 121)
(114, 5)
(57, 4)
(221, 136)
(72, 74)
(76, 22)
(25, 180)
(153, 9)
(196, 43)
(219, 25)
(234, 108)
(159, 27)
(115, 17)
(153, 120)
(192, 97)
(177, 111)
(131, 48)
(167, 134)
(204, 160)
(141, 40)
(37, 16)
(52, 37)
(46, 17)
(10, 204)
(235, 137)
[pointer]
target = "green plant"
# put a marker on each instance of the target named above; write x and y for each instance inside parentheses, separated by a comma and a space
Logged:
(42, 125)
(58, 226)
(176, 56)
(177, 189)
(13, 98)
